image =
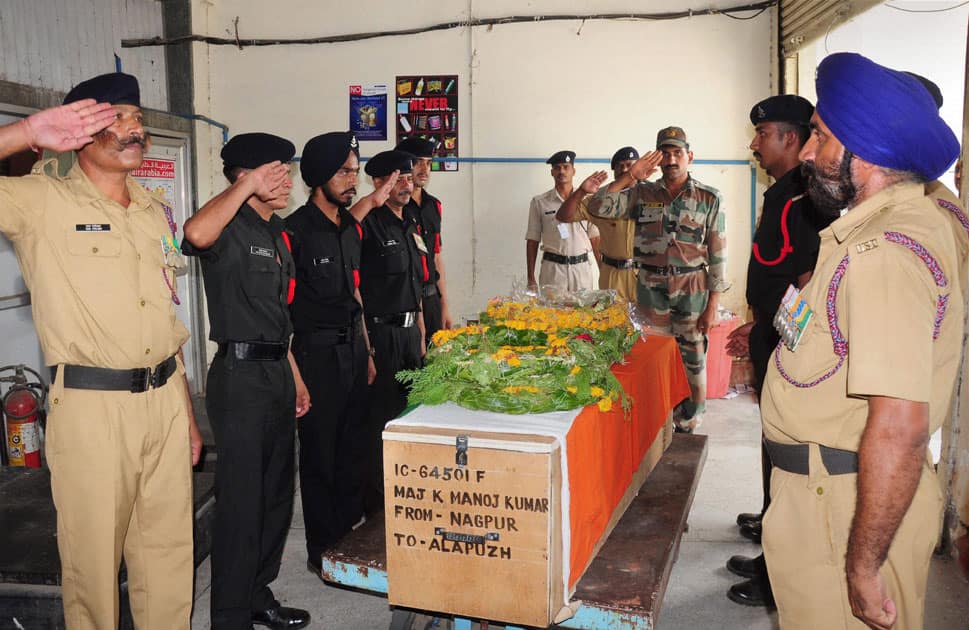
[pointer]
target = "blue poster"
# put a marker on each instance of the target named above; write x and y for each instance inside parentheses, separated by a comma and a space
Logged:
(368, 111)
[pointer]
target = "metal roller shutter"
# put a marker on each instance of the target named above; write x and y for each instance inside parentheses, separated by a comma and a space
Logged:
(803, 21)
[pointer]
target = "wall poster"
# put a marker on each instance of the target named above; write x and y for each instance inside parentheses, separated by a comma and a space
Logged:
(368, 111)
(427, 106)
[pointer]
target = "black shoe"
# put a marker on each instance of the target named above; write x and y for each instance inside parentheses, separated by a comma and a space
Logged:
(747, 567)
(678, 429)
(282, 618)
(748, 518)
(751, 532)
(753, 592)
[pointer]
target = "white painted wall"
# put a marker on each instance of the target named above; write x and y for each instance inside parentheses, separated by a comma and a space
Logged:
(928, 42)
(526, 90)
(56, 44)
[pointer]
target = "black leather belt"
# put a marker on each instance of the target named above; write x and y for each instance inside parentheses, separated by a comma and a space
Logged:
(565, 260)
(794, 458)
(669, 270)
(254, 350)
(429, 290)
(401, 320)
(619, 263)
(134, 380)
(329, 336)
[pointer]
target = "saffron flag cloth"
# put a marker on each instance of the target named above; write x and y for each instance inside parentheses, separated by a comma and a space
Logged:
(600, 451)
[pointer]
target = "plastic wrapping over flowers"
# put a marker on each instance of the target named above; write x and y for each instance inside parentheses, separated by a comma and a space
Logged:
(530, 354)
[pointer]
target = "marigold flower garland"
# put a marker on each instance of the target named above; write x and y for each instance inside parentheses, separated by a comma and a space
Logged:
(526, 357)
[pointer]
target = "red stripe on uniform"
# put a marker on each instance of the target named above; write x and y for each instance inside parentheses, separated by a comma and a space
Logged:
(427, 274)
(291, 290)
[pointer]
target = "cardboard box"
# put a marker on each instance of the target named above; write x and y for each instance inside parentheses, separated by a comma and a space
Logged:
(485, 540)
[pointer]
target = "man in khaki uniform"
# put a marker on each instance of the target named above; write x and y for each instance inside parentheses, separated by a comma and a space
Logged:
(617, 269)
(855, 502)
(568, 260)
(99, 257)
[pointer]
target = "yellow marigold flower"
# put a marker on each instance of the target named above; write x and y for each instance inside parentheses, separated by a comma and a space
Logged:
(513, 361)
(596, 391)
(572, 389)
(605, 404)
(575, 370)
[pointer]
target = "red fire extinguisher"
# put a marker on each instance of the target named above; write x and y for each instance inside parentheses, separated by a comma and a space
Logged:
(23, 412)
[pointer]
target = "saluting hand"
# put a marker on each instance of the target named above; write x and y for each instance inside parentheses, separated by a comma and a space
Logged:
(380, 195)
(646, 165)
(269, 181)
(591, 183)
(68, 127)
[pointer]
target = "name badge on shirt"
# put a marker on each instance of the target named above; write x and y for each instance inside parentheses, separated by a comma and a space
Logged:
(266, 252)
(420, 243)
(792, 318)
(92, 227)
(550, 211)
(390, 243)
(322, 261)
(563, 231)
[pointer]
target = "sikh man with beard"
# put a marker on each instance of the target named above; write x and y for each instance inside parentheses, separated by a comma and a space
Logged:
(847, 413)
(330, 343)
(393, 269)
(98, 255)
(254, 391)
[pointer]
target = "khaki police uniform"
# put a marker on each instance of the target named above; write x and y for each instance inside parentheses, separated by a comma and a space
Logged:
(571, 241)
(617, 269)
(120, 462)
(888, 321)
(951, 207)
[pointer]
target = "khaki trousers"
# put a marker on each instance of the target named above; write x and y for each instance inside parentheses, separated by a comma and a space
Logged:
(622, 280)
(583, 275)
(120, 468)
(806, 538)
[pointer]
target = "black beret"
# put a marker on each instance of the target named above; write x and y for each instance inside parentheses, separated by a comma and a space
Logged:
(250, 150)
(418, 147)
(625, 153)
(116, 88)
(930, 86)
(386, 162)
(788, 108)
(566, 157)
(325, 154)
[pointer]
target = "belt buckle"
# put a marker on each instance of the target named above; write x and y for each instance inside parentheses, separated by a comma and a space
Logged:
(409, 319)
(141, 378)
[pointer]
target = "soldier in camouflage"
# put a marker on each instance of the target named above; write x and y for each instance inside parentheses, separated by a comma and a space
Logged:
(680, 249)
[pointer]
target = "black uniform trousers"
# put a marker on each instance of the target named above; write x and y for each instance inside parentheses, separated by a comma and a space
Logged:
(395, 349)
(763, 340)
(252, 408)
(433, 318)
(331, 436)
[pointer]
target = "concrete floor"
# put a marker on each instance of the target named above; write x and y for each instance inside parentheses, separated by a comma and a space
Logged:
(696, 596)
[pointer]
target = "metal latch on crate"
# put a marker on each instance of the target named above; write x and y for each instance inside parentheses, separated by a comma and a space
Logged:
(461, 450)
(474, 539)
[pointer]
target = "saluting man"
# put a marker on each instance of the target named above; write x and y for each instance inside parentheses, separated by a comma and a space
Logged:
(99, 257)
(393, 270)
(254, 391)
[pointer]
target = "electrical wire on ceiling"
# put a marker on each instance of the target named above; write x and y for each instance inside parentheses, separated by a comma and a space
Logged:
(961, 4)
(758, 7)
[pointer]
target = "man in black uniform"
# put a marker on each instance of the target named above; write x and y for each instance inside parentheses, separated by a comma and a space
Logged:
(428, 212)
(393, 270)
(784, 251)
(254, 392)
(330, 342)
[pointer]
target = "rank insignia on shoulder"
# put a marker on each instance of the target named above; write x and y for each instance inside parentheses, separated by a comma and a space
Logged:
(866, 246)
(267, 252)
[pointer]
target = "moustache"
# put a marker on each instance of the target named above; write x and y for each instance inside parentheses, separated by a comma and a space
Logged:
(349, 191)
(142, 140)
(757, 155)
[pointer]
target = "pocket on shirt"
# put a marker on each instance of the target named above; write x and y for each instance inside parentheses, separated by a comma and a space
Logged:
(94, 244)
(262, 277)
(690, 229)
(392, 258)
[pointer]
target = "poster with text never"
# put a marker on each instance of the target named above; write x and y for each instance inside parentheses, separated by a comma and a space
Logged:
(427, 107)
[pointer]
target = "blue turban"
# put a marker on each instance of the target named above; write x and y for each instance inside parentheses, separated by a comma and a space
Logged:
(884, 116)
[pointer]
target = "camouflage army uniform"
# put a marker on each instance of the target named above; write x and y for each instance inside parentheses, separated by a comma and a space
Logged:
(680, 249)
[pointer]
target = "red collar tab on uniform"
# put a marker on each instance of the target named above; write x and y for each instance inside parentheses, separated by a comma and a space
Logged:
(291, 290)
(359, 230)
